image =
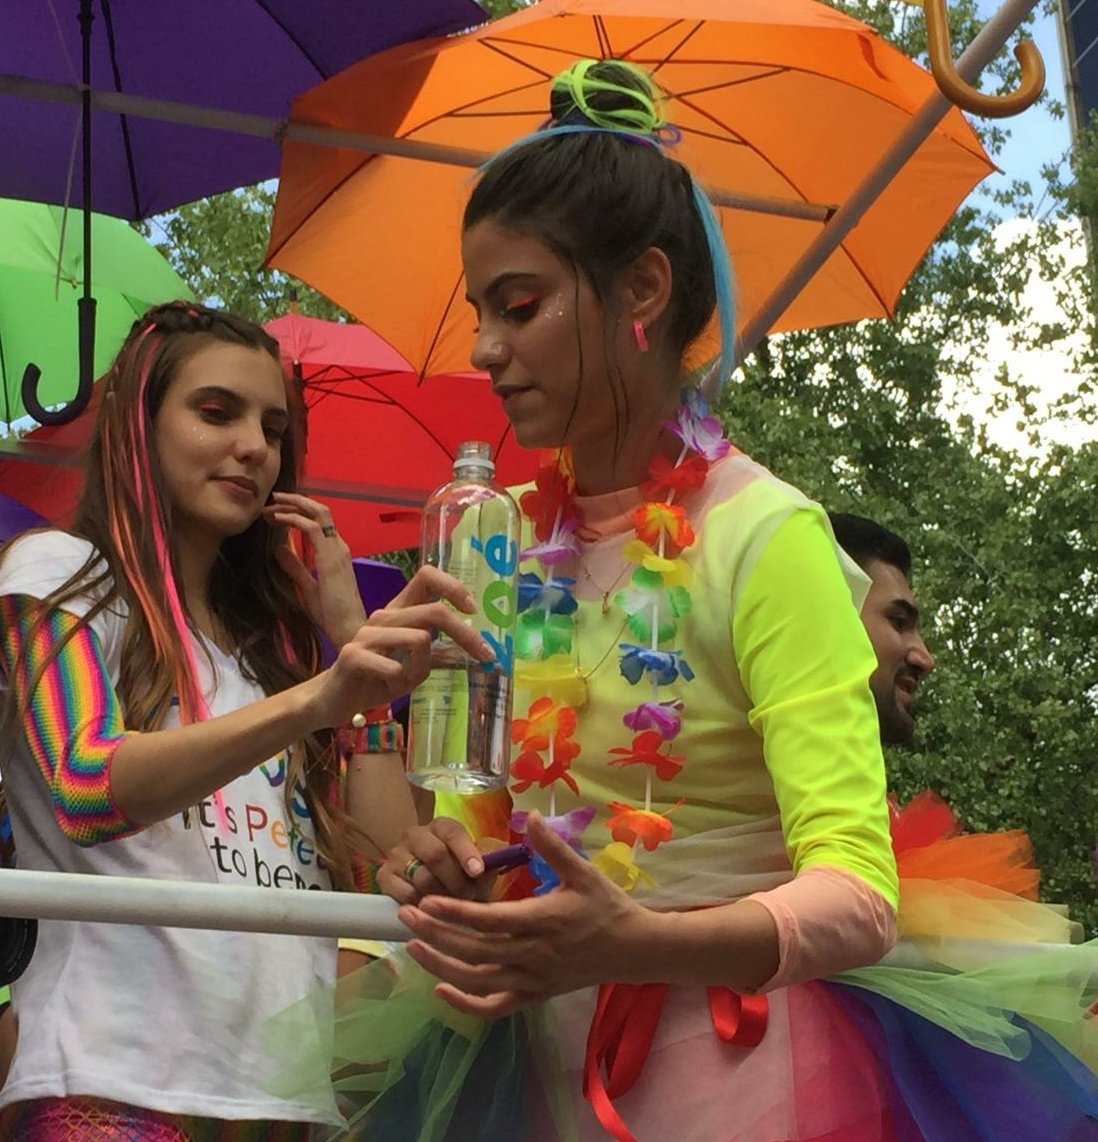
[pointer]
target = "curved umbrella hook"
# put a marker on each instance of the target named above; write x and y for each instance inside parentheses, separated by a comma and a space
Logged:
(28, 390)
(963, 94)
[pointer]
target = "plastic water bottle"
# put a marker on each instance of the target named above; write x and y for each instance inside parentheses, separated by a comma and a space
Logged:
(460, 716)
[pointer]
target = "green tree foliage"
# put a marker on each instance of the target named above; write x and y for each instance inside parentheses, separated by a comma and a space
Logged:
(1004, 540)
(498, 8)
(881, 418)
(217, 245)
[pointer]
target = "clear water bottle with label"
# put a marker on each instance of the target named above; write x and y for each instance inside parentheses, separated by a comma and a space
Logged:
(460, 717)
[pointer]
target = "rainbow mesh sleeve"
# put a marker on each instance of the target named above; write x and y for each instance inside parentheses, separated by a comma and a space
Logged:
(73, 721)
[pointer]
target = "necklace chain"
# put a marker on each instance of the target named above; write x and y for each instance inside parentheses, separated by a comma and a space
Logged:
(603, 591)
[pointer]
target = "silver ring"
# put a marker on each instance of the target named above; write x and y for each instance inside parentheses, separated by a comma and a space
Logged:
(329, 531)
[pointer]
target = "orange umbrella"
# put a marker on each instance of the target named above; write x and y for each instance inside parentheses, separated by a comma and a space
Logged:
(785, 106)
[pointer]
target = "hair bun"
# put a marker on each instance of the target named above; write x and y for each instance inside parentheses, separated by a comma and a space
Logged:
(609, 94)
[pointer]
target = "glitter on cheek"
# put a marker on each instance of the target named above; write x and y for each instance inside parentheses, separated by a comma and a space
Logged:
(554, 308)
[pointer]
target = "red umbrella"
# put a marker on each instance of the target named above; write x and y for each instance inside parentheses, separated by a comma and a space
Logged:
(44, 470)
(379, 438)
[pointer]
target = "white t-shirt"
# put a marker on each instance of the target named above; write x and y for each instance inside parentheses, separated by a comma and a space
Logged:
(164, 1018)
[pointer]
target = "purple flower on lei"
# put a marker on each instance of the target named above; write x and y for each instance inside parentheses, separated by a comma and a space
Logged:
(699, 431)
(663, 716)
(663, 666)
(569, 827)
(554, 594)
(561, 546)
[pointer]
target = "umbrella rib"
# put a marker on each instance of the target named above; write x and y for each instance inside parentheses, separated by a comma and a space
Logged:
(4, 382)
(438, 329)
(694, 28)
(380, 397)
(729, 133)
(464, 109)
(775, 70)
(266, 8)
(603, 37)
(789, 182)
(493, 45)
(273, 250)
(787, 69)
(123, 120)
(413, 418)
(392, 402)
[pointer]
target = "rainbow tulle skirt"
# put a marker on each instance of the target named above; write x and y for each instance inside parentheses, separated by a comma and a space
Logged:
(983, 1025)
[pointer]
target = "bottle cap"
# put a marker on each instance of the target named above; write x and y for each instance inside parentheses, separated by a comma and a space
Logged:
(474, 454)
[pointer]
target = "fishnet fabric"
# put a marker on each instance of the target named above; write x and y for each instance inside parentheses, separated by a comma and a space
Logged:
(89, 1120)
(97, 1120)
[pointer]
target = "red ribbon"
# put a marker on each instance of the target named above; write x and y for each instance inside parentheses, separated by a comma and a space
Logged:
(739, 1019)
(622, 1030)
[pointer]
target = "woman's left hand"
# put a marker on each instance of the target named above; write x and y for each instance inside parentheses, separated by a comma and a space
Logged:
(332, 597)
(494, 959)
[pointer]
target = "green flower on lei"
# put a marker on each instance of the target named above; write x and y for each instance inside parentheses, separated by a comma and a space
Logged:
(647, 600)
(539, 634)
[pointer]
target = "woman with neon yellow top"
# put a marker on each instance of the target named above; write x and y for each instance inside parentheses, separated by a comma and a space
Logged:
(696, 761)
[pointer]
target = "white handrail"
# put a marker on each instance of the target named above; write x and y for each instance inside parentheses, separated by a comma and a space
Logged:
(185, 904)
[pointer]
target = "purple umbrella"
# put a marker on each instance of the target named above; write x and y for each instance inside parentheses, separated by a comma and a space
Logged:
(16, 517)
(242, 57)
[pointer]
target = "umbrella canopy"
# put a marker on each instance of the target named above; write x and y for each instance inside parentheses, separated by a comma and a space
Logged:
(41, 272)
(16, 517)
(235, 57)
(784, 107)
(44, 470)
(249, 56)
(380, 437)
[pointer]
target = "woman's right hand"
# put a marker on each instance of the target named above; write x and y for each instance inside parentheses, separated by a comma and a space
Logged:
(439, 859)
(391, 652)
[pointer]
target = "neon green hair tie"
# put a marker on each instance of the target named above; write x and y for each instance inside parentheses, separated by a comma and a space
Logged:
(645, 113)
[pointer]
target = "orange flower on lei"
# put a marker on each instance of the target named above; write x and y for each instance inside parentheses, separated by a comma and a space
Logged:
(546, 719)
(653, 520)
(631, 825)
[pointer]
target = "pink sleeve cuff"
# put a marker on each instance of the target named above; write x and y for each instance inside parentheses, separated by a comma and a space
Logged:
(828, 921)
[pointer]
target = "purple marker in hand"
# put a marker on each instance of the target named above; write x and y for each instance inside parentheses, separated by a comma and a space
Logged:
(500, 860)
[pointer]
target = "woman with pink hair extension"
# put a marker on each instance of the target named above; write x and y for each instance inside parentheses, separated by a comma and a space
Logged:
(167, 717)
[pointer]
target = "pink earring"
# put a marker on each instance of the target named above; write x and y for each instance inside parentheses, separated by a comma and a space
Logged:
(640, 335)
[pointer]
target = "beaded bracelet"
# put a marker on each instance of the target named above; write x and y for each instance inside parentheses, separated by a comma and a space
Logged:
(375, 731)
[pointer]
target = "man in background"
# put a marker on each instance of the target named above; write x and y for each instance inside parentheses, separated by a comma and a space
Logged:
(891, 618)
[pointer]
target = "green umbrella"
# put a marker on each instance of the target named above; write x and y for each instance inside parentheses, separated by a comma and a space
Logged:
(38, 304)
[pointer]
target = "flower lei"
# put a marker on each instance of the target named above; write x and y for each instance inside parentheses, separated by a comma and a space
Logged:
(653, 602)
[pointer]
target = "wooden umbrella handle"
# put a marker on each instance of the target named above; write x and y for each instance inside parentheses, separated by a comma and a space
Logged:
(962, 93)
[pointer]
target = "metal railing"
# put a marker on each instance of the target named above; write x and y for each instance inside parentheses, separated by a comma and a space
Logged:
(185, 904)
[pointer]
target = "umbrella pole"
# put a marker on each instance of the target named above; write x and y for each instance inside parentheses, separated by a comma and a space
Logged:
(85, 305)
(991, 39)
(281, 130)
